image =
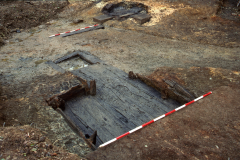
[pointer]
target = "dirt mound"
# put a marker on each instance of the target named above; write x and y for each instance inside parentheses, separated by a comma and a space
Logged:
(199, 80)
(15, 16)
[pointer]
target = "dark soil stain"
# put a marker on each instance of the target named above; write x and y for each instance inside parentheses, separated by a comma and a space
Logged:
(23, 15)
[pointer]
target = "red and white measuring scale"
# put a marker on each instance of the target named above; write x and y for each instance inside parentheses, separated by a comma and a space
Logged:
(154, 120)
(73, 30)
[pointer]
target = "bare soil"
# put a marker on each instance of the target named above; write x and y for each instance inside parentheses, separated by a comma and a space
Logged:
(199, 80)
(16, 16)
(196, 42)
(26, 142)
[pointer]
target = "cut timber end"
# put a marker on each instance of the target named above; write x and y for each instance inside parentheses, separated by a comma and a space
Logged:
(142, 18)
(102, 18)
(93, 87)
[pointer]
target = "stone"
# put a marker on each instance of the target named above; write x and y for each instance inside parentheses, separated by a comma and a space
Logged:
(42, 26)
(142, 18)
(102, 18)
(42, 139)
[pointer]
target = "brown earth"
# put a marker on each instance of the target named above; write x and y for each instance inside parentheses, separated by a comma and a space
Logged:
(199, 80)
(24, 15)
(208, 129)
(26, 142)
(205, 22)
(25, 78)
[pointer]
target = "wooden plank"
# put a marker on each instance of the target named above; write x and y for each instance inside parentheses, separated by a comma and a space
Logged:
(80, 110)
(109, 97)
(109, 101)
(80, 123)
(153, 93)
(142, 18)
(111, 84)
(66, 57)
(120, 103)
(82, 54)
(89, 57)
(114, 81)
(103, 118)
(102, 18)
(56, 67)
(116, 114)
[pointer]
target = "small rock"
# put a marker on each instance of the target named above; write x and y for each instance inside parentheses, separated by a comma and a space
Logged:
(163, 9)
(18, 31)
(47, 154)
(42, 26)
(54, 154)
(76, 21)
(42, 139)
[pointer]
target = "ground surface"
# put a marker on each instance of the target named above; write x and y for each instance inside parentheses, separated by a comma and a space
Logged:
(211, 42)
(26, 142)
(24, 15)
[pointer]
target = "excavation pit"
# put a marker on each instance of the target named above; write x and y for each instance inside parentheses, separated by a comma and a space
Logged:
(119, 105)
(122, 11)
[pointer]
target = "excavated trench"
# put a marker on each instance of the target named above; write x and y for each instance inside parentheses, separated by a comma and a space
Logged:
(102, 102)
(122, 8)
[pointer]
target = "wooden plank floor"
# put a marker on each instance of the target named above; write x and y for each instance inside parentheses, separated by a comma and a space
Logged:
(121, 104)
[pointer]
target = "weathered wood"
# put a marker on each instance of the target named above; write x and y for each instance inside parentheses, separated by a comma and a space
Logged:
(123, 104)
(93, 87)
(58, 101)
(56, 67)
(82, 54)
(180, 89)
(93, 138)
(119, 105)
(89, 57)
(77, 131)
(66, 57)
(102, 18)
(83, 108)
(112, 83)
(142, 18)
(85, 129)
(168, 88)
(76, 86)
